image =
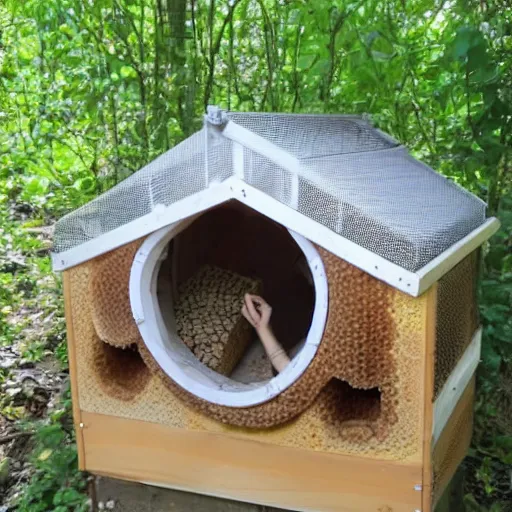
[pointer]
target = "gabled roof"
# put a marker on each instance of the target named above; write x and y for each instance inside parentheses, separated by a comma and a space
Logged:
(333, 179)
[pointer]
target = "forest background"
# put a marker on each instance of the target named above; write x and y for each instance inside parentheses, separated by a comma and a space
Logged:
(91, 90)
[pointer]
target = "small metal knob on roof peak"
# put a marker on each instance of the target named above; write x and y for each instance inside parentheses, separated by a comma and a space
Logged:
(215, 115)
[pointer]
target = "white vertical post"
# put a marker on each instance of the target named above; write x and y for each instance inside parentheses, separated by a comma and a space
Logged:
(238, 160)
(206, 127)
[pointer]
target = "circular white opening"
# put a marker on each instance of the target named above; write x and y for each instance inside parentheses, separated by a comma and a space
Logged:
(152, 307)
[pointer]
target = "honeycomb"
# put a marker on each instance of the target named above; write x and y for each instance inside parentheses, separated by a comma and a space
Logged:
(361, 393)
(208, 317)
(121, 372)
(348, 412)
(457, 317)
(109, 288)
(356, 348)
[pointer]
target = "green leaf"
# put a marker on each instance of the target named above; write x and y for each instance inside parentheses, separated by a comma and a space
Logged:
(485, 75)
(37, 186)
(467, 39)
(462, 44)
(128, 72)
(87, 184)
(321, 67)
(305, 61)
(382, 56)
(491, 359)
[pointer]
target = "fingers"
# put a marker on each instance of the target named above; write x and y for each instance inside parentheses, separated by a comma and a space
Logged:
(249, 303)
(256, 299)
(247, 315)
(263, 308)
(258, 310)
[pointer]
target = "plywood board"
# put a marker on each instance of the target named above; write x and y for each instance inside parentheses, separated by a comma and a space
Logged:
(77, 418)
(454, 441)
(240, 469)
(428, 394)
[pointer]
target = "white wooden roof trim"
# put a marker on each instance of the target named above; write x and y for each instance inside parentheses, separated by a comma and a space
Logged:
(440, 265)
(412, 283)
(240, 135)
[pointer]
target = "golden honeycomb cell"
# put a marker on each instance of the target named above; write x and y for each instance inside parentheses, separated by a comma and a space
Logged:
(110, 297)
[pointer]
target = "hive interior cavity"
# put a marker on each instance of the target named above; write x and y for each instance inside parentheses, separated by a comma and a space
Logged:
(236, 244)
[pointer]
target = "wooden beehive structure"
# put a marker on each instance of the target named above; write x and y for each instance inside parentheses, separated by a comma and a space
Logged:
(373, 413)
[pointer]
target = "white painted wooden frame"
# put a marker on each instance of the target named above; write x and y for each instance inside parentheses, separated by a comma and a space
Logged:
(240, 135)
(412, 283)
(175, 358)
(455, 385)
(161, 216)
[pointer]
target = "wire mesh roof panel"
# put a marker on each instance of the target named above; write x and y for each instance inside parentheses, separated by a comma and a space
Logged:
(393, 205)
(312, 135)
(348, 176)
(174, 175)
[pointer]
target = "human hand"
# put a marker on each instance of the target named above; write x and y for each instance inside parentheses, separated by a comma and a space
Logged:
(256, 311)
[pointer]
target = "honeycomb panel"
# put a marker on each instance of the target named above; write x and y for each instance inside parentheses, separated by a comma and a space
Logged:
(385, 357)
(457, 317)
(121, 372)
(109, 289)
(355, 348)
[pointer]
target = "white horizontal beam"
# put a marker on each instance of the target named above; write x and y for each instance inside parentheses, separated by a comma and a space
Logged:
(440, 265)
(455, 385)
(358, 256)
(260, 145)
(160, 216)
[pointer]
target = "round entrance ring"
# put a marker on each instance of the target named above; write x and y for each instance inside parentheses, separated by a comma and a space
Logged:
(175, 359)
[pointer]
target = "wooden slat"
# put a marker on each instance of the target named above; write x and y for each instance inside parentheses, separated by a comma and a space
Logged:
(430, 345)
(245, 470)
(454, 441)
(77, 417)
(455, 385)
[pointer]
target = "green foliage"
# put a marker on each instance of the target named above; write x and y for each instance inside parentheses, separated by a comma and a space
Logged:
(91, 91)
(56, 484)
(32, 316)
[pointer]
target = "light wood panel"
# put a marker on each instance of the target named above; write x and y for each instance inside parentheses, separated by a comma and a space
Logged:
(454, 441)
(245, 470)
(430, 345)
(77, 417)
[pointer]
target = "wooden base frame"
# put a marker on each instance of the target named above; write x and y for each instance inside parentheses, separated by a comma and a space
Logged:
(245, 470)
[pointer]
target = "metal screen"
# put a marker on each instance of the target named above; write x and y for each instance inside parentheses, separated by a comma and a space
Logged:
(174, 175)
(457, 317)
(349, 176)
